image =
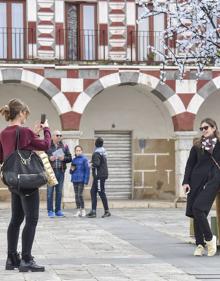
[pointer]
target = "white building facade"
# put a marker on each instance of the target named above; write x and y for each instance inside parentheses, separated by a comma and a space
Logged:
(86, 64)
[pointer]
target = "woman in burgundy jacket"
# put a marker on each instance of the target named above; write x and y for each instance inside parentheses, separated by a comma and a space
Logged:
(23, 205)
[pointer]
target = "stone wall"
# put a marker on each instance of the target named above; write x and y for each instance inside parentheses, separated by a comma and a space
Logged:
(153, 168)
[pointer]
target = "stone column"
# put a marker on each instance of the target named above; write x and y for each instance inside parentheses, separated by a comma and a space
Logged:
(183, 144)
(71, 138)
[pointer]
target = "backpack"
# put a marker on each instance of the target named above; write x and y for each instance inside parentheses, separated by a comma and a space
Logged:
(23, 169)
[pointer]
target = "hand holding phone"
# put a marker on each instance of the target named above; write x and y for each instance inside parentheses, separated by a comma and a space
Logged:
(43, 118)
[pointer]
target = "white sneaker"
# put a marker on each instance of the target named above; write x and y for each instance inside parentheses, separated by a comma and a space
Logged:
(78, 213)
(199, 251)
(211, 246)
(83, 212)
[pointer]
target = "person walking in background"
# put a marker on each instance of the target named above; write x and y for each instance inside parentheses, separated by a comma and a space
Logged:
(24, 203)
(201, 183)
(59, 155)
(100, 175)
(79, 171)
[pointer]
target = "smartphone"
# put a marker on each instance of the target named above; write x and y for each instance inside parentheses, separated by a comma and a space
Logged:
(43, 118)
(73, 167)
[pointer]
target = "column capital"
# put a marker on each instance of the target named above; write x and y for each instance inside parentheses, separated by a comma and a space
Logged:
(185, 134)
(184, 140)
(71, 134)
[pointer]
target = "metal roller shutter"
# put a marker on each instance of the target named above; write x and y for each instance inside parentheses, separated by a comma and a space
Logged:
(119, 148)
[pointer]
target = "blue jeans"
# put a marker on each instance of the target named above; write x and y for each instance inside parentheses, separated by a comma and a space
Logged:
(58, 196)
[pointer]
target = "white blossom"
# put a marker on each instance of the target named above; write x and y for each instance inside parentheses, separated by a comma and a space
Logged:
(194, 25)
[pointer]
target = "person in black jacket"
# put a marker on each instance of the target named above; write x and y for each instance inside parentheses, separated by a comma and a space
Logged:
(59, 155)
(100, 175)
(201, 184)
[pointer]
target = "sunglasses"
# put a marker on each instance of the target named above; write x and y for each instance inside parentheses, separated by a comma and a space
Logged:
(59, 136)
(204, 128)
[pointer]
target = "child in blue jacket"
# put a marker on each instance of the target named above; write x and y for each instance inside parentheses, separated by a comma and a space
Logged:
(79, 171)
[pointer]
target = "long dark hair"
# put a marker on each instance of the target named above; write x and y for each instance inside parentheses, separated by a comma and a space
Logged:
(211, 123)
(13, 108)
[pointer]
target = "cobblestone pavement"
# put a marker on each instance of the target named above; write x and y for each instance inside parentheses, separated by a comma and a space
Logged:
(131, 245)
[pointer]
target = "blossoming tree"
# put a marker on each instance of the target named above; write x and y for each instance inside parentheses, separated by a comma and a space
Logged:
(192, 34)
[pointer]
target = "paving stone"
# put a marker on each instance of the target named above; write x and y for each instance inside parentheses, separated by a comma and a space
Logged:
(128, 247)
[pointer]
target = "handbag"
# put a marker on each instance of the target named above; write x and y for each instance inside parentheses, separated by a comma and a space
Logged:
(23, 169)
(51, 178)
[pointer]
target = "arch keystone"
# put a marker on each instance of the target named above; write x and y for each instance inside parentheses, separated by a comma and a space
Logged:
(148, 80)
(110, 80)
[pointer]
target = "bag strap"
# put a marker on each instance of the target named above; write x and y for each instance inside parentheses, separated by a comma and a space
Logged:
(17, 139)
(216, 163)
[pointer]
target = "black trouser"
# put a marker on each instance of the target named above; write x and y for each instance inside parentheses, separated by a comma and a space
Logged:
(23, 207)
(78, 189)
(201, 208)
(98, 186)
(201, 227)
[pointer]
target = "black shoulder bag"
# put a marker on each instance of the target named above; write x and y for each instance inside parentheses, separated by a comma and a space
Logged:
(216, 163)
(23, 169)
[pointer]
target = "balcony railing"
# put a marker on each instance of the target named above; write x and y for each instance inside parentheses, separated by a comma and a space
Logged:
(12, 43)
(83, 45)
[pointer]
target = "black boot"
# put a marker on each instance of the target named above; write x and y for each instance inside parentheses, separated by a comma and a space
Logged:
(13, 261)
(30, 265)
(106, 214)
(91, 214)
